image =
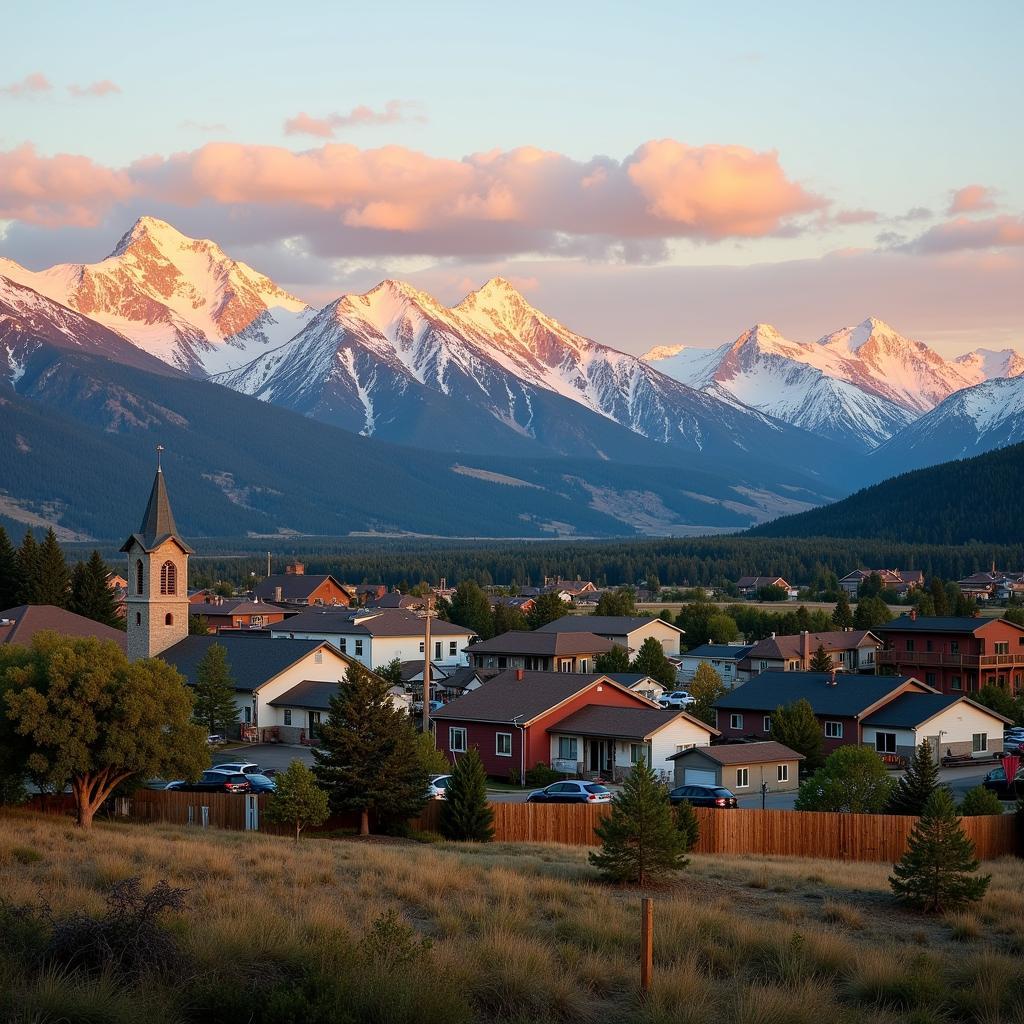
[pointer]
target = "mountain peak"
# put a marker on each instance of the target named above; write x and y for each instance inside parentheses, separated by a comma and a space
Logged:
(153, 230)
(761, 335)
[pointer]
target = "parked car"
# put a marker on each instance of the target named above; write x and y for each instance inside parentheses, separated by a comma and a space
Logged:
(677, 699)
(215, 739)
(995, 780)
(245, 767)
(703, 796)
(215, 781)
(259, 783)
(435, 705)
(574, 792)
(437, 786)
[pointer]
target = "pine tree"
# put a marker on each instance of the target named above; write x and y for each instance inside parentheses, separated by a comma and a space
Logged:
(298, 801)
(842, 617)
(796, 727)
(821, 660)
(28, 570)
(689, 827)
(615, 660)
(53, 580)
(10, 582)
(938, 871)
(214, 704)
(367, 758)
(546, 608)
(652, 661)
(507, 619)
(920, 780)
(466, 814)
(470, 608)
(706, 688)
(91, 595)
(640, 842)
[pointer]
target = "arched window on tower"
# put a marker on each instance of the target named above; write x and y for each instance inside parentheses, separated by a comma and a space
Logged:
(138, 576)
(168, 619)
(168, 578)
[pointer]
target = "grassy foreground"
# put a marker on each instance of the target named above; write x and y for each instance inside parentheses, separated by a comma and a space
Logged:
(271, 932)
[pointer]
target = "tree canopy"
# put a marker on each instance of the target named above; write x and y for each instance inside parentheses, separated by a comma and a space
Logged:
(795, 726)
(298, 801)
(652, 661)
(853, 779)
(215, 706)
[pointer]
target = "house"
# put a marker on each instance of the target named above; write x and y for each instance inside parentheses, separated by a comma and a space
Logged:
(367, 593)
(840, 703)
(296, 588)
(377, 636)
(518, 602)
(568, 590)
(464, 680)
(221, 613)
(899, 581)
(540, 651)
(850, 650)
(954, 654)
(748, 586)
(992, 586)
(268, 675)
(628, 631)
(740, 767)
(407, 602)
(638, 682)
(20, 624)
(723, 658)
(575, 722)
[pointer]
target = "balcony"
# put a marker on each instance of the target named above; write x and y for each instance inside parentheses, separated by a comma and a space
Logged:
(937, 659)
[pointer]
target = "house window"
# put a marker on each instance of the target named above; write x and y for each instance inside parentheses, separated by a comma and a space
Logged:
(639, 752)
(168, 578)
(834, 730)
(437, 650)
(1002, 647)
(910, 646)
(287, 716)
(764, 666)
(782, 773)
(453, 648)
(584, 665)
(421, 647)
(138, 576)
(503, 744)
(885, 742)
(735, 721)
(359, 648)
(248, 716)
(457, 740)
(138, 618)
(343, 644)
(318, 658)
(927, 645)
(168, 619)
(979, 742)
(565, 664)
(767, 723)
(567, 748)
(742, 778)
(929, 678)
(255, 621)
(955, 683)
(954, 646)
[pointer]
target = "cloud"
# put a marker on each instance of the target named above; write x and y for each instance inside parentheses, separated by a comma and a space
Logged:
(916, 213)
(30, 85)
(856, 217)
(964, 233)
(103, 87)
(206, 127)
(394, 111)
(972, 199)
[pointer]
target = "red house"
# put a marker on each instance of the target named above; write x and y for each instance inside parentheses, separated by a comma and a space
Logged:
(954, 655)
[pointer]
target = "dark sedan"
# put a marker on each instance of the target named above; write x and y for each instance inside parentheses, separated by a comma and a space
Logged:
(571, 793)
(996, 781)
(703, 796)
(214, 781)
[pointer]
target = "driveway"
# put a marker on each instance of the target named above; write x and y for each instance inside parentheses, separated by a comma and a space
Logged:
(266, 755)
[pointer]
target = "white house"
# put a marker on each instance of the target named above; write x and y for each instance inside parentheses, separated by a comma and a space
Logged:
(629, 631)
(723, 658)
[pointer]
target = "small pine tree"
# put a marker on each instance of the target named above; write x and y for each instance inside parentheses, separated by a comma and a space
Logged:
(796, 727)
(466, 814)
(821, 660)
(938, 872)
(91, 595)
(10, 581)
(689, 827)
(652, 661)
(214, 704)
(640, 842)
(298, 801)
(842, 617)
(28, 570)
(53, 579)
(615, 660)
(920, 780)
(979, 801)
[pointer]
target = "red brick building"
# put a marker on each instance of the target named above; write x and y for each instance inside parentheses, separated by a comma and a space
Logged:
(954, 655)
(221, 613)
(298, 588)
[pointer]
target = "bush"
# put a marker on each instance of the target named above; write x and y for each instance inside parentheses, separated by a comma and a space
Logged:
(980, 801)
(541, 775)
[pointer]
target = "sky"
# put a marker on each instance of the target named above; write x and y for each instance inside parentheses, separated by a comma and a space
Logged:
(649, 174)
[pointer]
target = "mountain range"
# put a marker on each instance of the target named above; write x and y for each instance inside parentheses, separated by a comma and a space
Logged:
(490, 396)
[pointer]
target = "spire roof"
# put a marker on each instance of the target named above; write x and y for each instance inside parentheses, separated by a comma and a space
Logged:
(158, 522)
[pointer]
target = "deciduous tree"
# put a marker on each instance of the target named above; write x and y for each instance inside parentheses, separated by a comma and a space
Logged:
(546, 608)
(617, 602)
(298, 801)
(706, 688)
(979, 801)
(471, 608)
(507, 619)
(615, 660)
(871, 612)
(853, 779)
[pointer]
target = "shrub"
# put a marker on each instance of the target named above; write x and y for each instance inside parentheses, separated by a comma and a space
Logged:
(853, 779)
(980, 801)
(541, 775)
(298, 801)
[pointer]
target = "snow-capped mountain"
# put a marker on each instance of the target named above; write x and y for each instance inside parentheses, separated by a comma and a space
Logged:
(987, 364)
(183, 300)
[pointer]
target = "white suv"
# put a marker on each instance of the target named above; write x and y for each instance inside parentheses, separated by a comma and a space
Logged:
(676, 699)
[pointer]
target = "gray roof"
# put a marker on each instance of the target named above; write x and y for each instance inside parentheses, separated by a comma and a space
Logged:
(158, 521)
(624, 723)
(372, 622)
(939, 624)
(254, 659)
(312, 694)
(851, 695)
(910, 710)
(742, 753)
(25, 620)
(617, 625)
(462, 677)
(723, 651)
(544, 644)
(295, 586)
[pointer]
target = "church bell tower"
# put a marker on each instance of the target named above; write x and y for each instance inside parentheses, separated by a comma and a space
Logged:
(157, 604)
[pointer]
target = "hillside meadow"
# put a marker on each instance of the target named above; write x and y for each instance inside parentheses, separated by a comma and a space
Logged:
(274, 931)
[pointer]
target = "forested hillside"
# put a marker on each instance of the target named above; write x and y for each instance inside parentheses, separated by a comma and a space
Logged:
(958, 502)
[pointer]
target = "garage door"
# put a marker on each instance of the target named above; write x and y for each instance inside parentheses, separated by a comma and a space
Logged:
(699, 777)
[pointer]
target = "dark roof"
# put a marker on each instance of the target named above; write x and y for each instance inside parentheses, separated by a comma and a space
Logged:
(617, 625)
(23, 622)
(294, 586)
(790, 645)
(414, 667)
(742, 753)
(625, 723)
(369, 622)
(630, 679)
(158, 522)
(395, 601)
(549, 644)
(910, 710)
(254, 660)
(940, 624)
(462, 677)
(851, 695)
(718, 651)
(313, 694)
(238, 607)
(507, 697)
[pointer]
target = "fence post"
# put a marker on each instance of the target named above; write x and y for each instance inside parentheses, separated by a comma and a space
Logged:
(646, 944)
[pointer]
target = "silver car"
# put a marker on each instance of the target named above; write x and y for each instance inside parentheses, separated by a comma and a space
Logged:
(437, 786)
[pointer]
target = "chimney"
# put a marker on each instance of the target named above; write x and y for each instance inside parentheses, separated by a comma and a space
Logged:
(278, 594)
(295, 569)
(805, 647)
(832, 680)
(913, 615)
(520, 675)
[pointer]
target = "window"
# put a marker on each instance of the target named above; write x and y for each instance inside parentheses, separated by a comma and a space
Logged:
(168, 619)
(764, 666)
(138, 618)
(929, 678)
(584, 664)
(255, 621)
(138, 576)
(910, 646)
(248, 716)
(453, 648)
(318, 658)
(927, 645)
(885, 742)
(834, 730)
(437, 650)
(421, 647)
(955, 683)
(1002, 647)
(638, 752)
(742, 778)
(565, 664)
(168, 578)
(567, 748)
(359, 648)
(314, 719)
(457, 740)
(343, 644)
(782, 773)
(735, 721)
(767, 723)
(287, 716)
(979, 742)
(954, 646)
(503, 744)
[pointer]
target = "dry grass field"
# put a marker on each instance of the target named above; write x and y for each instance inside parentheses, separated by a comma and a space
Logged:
(274, 932)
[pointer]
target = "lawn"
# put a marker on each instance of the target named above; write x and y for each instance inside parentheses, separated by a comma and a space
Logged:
(274, 932)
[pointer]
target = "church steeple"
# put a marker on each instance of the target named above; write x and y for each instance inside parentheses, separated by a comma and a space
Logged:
(158, 523)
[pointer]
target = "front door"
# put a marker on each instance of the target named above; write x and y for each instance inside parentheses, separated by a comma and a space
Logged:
(599, 760)
(314, 725)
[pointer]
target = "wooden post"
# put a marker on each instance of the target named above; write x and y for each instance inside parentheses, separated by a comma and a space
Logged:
(646, 944)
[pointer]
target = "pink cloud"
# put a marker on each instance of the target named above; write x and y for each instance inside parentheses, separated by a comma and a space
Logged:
(104, 87)
(30, 85)
(963, 233)
(325, 127)
(972, 199)
(856, 217)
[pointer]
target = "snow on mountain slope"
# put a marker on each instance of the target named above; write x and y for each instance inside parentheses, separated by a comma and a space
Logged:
(986, 364)
(180, 299)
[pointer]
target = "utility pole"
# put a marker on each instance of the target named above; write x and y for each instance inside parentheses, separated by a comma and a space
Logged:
(268, 563)
(646, 944)
(426, 662)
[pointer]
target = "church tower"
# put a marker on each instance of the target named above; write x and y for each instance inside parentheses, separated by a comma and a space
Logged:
(157, 602)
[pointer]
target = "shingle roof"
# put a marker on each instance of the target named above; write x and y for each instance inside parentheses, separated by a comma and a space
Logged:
(543, 643)
(910, 710)
(254, 660)
(617, 625)
(623, 723)
(369, 622)
(158, 521)
(939, 624)
(788, 646)
(725, 651)
(312, 694)
(851, 695)
(743, 753)
(25, 620)
(235, 608)
(294, 586)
